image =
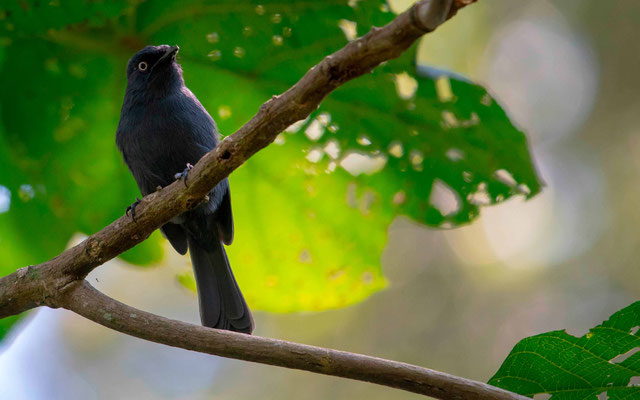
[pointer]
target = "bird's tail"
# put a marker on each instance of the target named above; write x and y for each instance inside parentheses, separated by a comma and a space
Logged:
(221, 303)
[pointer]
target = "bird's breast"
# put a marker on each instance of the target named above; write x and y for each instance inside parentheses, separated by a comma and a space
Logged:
(171, 137)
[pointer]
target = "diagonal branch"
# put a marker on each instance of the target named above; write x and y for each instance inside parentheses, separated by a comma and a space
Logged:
(85, 300)
(60, 282)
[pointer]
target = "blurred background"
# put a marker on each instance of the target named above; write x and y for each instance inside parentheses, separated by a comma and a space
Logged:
(457, 300)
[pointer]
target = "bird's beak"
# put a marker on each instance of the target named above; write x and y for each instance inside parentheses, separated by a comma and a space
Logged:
(168, 56)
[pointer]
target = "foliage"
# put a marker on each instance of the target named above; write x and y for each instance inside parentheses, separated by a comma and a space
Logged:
(309, 227)
(606, 359)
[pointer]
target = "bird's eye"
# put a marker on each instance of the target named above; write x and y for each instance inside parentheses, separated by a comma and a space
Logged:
(143, 66)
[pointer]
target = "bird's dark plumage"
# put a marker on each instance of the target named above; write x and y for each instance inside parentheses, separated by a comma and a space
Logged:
(162, 128)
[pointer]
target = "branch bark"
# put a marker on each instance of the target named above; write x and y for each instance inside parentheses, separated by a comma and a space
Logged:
(60, 282)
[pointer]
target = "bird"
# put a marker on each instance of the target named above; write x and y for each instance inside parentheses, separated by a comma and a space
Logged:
(163, 131)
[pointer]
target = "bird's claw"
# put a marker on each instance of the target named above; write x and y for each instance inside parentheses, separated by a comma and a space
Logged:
(132, 209)
(183, 175)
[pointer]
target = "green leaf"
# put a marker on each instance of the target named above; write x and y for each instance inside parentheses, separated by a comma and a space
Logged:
(6, 323)
(463, 148)
(568, 367)
(309, 234)
(318, 244)
(36, 17)
(61, 167)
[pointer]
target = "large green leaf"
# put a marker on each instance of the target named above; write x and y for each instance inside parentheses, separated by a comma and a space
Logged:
(58, 118)
(567, 367)
(308, 233)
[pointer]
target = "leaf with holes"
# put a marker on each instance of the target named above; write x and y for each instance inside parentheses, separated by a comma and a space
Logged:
(605, 360)
(312, 210)
(436, 151)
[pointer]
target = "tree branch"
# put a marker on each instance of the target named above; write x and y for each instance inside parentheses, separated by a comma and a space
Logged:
(85, 300)
(60, 282)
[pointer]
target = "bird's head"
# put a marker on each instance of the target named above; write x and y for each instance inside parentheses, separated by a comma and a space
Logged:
(154, 70)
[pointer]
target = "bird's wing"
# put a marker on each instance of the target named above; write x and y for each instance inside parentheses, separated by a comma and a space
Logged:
(176, 236)
(224, 218)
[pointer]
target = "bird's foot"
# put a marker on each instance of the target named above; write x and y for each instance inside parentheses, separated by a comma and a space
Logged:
(183, 175)
(132, 209)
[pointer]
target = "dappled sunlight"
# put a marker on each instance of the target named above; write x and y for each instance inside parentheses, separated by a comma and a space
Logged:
(213, 37)
(224, 111)
(214, 55)
(315, 130)
(443, 89)
(332, 149)
(26, 192)
(406, 85)
(239, 51)
(5, 199)
(444, 198)
(349, 28)
(363, 140)
(277, 40)
(417, 159)
(357, 163)
(315, 155)
(395, 149)
(296, 126)
(454, 154)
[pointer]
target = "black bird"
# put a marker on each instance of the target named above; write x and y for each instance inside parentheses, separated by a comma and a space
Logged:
(163, 129)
